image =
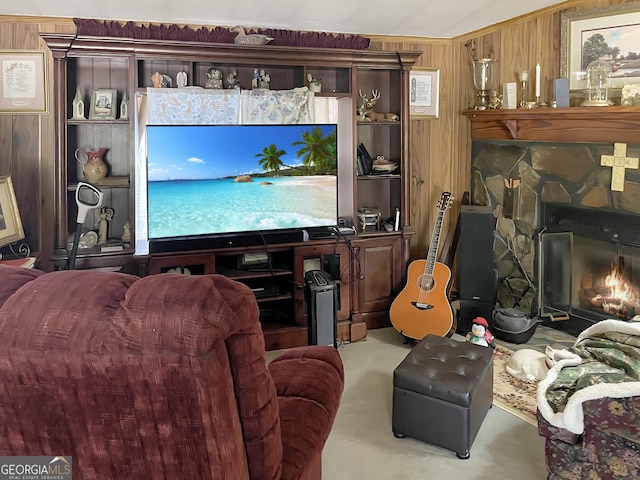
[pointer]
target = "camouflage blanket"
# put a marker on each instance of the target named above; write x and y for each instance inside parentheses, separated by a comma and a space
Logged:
(605, 362)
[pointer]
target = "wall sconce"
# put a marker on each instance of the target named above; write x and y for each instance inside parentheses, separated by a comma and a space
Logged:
(484, 77)
(598, 79)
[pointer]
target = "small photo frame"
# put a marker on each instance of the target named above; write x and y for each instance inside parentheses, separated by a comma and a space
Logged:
(10, 224)
(23, 86)
(424, 93)
(104, 104)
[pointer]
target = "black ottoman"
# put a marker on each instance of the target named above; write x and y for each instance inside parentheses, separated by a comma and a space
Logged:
(442, 391)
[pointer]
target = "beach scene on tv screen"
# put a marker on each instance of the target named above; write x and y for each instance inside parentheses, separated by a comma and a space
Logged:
(208, 179)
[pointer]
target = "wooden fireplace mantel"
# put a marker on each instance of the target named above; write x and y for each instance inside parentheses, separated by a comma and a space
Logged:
(575, 124)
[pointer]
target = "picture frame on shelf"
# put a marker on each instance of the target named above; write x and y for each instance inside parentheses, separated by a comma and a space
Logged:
(104, 104)
(424, 93)
(10, 223)
(23, 87)
(618, 29)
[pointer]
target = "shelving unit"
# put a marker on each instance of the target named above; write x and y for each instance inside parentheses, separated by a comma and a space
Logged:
(128, 65)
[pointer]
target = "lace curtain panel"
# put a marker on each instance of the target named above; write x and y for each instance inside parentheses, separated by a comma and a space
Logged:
(193, 106)
(197, 106)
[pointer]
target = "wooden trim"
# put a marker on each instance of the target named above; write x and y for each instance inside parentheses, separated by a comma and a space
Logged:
(578, 124)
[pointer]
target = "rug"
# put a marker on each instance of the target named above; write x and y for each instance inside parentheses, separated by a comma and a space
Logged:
(517, 397)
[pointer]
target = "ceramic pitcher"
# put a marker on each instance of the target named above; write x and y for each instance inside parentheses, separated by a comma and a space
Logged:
(93, 166)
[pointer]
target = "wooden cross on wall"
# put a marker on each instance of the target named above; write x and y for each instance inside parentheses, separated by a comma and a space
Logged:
(619, 162)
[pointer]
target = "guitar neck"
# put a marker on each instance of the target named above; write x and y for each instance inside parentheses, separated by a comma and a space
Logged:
(433, 247)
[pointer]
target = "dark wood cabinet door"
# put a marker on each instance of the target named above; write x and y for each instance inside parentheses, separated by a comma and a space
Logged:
(378, 268)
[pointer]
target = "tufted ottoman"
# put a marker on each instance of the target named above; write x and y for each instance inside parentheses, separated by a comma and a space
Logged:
(442, 391)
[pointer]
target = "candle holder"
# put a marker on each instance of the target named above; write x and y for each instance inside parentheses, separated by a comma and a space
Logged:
(484, 73)
(524, 78)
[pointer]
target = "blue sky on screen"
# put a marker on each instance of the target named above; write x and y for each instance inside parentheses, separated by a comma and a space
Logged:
(216, 151)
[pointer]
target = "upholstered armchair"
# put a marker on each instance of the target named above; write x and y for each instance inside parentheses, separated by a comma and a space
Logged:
(608, 449)
(161, 377)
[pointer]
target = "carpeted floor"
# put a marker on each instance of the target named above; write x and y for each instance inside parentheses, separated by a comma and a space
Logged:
(362, 445)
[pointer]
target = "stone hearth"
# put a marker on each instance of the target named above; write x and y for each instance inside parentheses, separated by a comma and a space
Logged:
(515, 177)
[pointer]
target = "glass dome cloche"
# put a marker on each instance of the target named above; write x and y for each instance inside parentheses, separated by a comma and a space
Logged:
(598, 82)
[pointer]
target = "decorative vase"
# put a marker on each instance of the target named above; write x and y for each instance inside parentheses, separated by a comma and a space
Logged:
(93, 166)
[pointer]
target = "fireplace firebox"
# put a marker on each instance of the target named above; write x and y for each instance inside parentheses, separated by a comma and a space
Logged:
(589, 266)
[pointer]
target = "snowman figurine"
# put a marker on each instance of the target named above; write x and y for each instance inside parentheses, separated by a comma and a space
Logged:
(480, 334)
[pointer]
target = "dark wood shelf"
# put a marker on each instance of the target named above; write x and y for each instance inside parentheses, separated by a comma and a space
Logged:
(575, 124)
(248, 274)
(272, 298)
(118, 121)
(379, 177)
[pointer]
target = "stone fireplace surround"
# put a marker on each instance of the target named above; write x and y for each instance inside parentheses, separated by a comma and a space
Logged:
(517, 177)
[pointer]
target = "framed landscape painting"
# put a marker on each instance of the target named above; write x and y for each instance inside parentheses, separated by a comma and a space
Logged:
(611, 34)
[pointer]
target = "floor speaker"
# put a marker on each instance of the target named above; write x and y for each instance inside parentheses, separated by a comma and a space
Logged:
(478, 277)
(321, 303)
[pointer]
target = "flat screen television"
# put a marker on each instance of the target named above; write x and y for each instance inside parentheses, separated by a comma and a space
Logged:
(222, 181)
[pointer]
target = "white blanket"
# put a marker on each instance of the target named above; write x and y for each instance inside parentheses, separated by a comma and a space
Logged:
(572, 418)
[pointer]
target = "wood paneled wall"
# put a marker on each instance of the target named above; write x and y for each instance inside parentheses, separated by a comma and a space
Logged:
(27, 141)
(441, 148)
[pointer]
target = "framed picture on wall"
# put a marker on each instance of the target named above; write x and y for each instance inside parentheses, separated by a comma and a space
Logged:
(611, 34)
(10, 224)
(23, 87)
(424, 92)
(104, 104)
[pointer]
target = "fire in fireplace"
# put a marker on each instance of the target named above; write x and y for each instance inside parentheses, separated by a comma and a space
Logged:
(589, 266)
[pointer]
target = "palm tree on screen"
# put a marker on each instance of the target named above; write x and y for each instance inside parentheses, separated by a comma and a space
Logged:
(317, 151)
(270, 158)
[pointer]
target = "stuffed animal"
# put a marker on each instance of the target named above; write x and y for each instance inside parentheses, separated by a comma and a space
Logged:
(480, 334)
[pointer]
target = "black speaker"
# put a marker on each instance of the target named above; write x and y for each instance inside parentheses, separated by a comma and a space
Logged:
(321, 302)
(478, 275)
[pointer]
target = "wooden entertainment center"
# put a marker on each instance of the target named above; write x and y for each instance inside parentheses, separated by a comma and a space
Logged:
(368, 267)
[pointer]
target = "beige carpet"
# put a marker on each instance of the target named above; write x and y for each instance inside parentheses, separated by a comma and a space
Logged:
(517, 397)
(362, 444)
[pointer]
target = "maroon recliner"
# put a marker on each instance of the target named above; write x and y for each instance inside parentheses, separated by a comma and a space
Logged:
(162, 377)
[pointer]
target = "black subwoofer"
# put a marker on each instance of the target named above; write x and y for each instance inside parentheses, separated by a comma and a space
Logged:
(478, 275)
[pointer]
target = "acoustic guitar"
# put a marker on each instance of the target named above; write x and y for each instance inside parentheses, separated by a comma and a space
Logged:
(422, 307)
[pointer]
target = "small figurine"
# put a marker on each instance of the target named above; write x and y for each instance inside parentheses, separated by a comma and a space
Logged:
(232, 79)
(368, 104)
(181, 79)
(243, 38)
(315, 84)
(167, 82)
(480, 334)
(495, 101)
(126, 233)
(78, 106)
(157, 80)
(103, 217)
(264, 80)
(124, 107)
(256, 78)
(214, 79)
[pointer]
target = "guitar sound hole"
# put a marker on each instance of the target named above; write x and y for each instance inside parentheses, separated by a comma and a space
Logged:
(425, 282)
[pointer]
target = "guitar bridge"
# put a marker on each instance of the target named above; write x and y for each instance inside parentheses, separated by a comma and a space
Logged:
(422, 306)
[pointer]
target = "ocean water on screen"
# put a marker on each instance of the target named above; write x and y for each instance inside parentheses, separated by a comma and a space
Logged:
(201, 207)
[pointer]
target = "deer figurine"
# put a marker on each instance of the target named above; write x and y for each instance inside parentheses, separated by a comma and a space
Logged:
(369, 114)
